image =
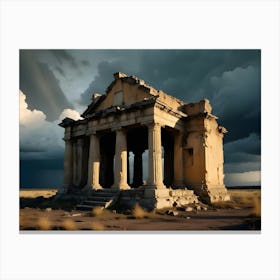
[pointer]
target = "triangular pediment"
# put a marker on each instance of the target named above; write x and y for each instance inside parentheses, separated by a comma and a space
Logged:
(123, 91)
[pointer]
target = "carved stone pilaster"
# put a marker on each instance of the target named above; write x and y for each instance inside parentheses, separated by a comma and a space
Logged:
(155, 178)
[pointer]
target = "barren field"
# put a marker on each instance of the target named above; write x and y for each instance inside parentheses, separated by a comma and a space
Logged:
(39, 212)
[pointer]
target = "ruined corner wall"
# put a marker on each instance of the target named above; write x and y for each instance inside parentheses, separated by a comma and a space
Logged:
(203, 157)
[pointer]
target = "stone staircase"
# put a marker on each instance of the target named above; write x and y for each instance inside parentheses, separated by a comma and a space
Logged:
(99, 198)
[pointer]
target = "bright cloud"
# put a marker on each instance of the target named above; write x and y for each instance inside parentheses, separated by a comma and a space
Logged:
(40, 138)
(29, 117)
(69, 113)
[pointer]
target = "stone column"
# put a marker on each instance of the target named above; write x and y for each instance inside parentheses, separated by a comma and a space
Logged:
(94, 163)
(120, 172)
(137, 168)
(155, 161)
(80, 143)
(68, 165)
(178, 160)
(74, 162)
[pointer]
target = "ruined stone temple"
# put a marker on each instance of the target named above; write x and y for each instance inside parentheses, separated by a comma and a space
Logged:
(183, 140)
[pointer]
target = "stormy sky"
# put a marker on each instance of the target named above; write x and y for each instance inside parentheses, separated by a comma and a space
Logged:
(59, 83)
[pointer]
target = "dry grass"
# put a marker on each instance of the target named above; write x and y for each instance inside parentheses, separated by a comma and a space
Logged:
(245, 198)
(69, 224)
(33, 193)
(97, 226)
(242, 199)
(224, 205)
(97, 211)
(44, 223)
(139, 213)
(256, 211)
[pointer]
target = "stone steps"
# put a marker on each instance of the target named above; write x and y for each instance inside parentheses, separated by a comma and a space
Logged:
(99, 198)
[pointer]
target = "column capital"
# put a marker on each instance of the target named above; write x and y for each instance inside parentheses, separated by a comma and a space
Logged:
(91, 131)
(118, 128)
(153, 125)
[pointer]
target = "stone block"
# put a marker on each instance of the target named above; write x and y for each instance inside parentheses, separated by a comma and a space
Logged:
(151, 192)
(162, 203)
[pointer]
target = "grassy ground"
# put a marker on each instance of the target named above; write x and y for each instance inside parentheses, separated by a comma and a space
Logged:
(39, 212)
(33, 193)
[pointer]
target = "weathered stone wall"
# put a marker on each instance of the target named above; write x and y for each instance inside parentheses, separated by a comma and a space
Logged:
(214, 159)
(194, 153)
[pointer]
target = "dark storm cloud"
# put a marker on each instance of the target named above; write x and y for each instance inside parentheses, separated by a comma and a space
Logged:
(41, 87)
(28, 149)
(63, 55)
(60, 70)
(249, 145)
(101, 81)
(85, 63)
(44, 173)
(237, 100)
(230, 79)
(243, 155)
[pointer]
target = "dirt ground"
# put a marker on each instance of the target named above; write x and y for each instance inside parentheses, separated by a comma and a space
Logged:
(242, 213)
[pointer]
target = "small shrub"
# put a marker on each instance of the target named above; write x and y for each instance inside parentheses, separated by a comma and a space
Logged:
(256, 211)
(138, 212)
(97, 211)
(224, 205)
(97, 226)
(44, 224)
(69, 224)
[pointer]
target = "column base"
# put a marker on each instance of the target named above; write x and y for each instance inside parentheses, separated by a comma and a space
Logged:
(91, 187)
(96, 187)
(121, 187)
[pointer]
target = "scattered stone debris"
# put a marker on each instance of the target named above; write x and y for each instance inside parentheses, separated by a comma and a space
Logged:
(189, 209)
(76, 215)
(172, 213)
(198, 207)
(48, 209)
